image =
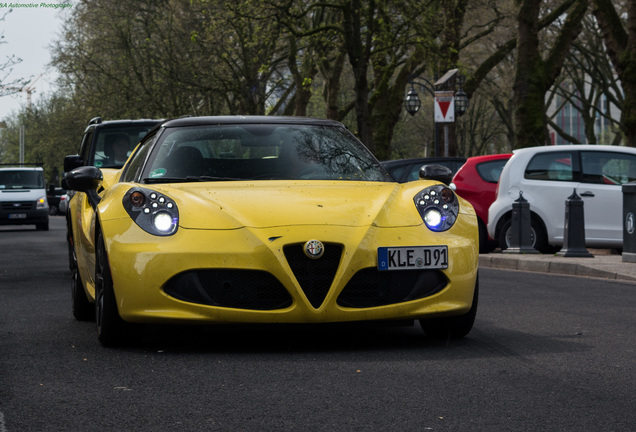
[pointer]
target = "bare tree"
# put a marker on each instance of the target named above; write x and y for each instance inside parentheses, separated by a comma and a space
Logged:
(620, 39)
(8, 86)
(590, 86)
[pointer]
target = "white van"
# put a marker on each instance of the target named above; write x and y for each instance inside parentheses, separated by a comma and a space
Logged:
(23, 197)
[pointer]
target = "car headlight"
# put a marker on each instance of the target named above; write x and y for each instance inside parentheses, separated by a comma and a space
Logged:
(438, 206)
(155, 213)
(41, 203)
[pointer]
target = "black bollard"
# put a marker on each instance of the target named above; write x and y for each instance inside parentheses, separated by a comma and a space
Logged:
(521, 228)
(574, 229)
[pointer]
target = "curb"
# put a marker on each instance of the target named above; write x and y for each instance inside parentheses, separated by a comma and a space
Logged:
(547, 265)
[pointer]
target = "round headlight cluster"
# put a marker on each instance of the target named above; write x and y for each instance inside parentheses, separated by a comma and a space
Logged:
(153, 212)
(438, 207)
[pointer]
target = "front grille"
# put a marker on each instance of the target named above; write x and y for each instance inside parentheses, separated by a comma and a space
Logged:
(370, 287)
(240, 289)
(18, 205)
(315, 276)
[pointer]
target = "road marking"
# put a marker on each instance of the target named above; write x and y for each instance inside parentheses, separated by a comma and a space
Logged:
(2, 427)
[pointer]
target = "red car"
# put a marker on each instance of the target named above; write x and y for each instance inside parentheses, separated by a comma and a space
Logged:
(476, 181)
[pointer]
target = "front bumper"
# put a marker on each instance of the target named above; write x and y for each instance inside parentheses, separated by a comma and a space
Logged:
(24, 214)
(256, 275)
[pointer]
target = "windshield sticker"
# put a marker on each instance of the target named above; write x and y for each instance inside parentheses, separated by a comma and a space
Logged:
(159, 172)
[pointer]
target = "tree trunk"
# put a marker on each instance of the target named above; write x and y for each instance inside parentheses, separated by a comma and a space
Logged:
(530, 123)
(534, 75)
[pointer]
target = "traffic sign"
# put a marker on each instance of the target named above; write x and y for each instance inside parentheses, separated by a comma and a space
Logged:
(444, 107)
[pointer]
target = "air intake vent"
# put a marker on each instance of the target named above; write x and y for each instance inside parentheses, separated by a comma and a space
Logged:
(372, 288)
(240, 289)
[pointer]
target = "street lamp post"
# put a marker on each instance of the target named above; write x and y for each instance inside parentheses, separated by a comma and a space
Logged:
(449, 102)
(412, 102)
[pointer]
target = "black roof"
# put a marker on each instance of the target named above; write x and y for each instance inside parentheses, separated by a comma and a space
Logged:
(221, 120)
(124, 122)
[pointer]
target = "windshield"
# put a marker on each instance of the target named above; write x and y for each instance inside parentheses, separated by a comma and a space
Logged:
(21, 179)
(261, 152)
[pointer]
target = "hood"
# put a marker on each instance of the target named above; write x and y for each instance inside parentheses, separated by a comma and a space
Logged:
(232, 205)
(10, 195)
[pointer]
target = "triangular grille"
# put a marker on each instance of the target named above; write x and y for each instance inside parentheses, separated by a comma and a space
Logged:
(314, 275)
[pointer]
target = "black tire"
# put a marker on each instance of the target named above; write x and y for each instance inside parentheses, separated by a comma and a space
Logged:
(538, 236)
(83, 310)
(112, 330)
(72, 259)
(453, 327)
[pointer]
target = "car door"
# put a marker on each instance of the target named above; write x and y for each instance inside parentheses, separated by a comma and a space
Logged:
(603, 173)
(549, 179)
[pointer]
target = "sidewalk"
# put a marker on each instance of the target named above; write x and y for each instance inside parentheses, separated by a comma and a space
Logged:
(602, 265)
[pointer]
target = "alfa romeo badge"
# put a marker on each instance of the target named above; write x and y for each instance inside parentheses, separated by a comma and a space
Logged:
(314, 249)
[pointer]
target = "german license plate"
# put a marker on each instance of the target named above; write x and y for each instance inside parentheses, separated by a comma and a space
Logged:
(413, 258)
(17, 215)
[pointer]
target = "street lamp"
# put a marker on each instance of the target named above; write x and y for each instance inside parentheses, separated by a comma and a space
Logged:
(461, 102)
(412, 102)
(445, 96)
(461, 98)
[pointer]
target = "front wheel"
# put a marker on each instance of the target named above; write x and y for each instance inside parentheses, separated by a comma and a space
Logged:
(112, 330)
(453, 327)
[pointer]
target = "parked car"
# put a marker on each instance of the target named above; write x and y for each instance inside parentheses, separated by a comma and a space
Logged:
(476, 182)
(97, 148)
(63, 206)
(54, 195)
(107, 144)
(547, 176)
(406, 170)
(23, 197)
(268, 220)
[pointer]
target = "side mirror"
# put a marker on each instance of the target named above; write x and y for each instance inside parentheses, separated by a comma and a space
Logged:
(85, 179)
(436, 172)
(72, 161)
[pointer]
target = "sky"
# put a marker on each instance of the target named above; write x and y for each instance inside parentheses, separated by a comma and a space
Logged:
(28, 33)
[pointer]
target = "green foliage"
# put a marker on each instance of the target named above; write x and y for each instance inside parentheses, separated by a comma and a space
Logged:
(52, 130)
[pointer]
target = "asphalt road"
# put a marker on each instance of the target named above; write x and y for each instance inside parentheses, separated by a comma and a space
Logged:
(547, 353)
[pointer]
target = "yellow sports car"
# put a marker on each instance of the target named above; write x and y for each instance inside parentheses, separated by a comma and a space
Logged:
(268, 220)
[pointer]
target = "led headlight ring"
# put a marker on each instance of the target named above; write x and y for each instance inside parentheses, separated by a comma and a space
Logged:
(438, 206)
(153, 212)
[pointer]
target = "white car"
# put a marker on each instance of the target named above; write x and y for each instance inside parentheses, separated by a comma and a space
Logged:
(547, 176)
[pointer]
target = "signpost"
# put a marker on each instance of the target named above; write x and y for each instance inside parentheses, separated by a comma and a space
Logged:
(448, 103)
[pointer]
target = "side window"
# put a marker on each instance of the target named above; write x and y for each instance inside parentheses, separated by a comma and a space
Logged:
(608, 167)
(415, 172)
(396, 173)
(86, 146)
(491, 171)
(550, 166)
(134, 167)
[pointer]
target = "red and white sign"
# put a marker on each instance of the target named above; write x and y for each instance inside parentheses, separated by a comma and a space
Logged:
(444, 107)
